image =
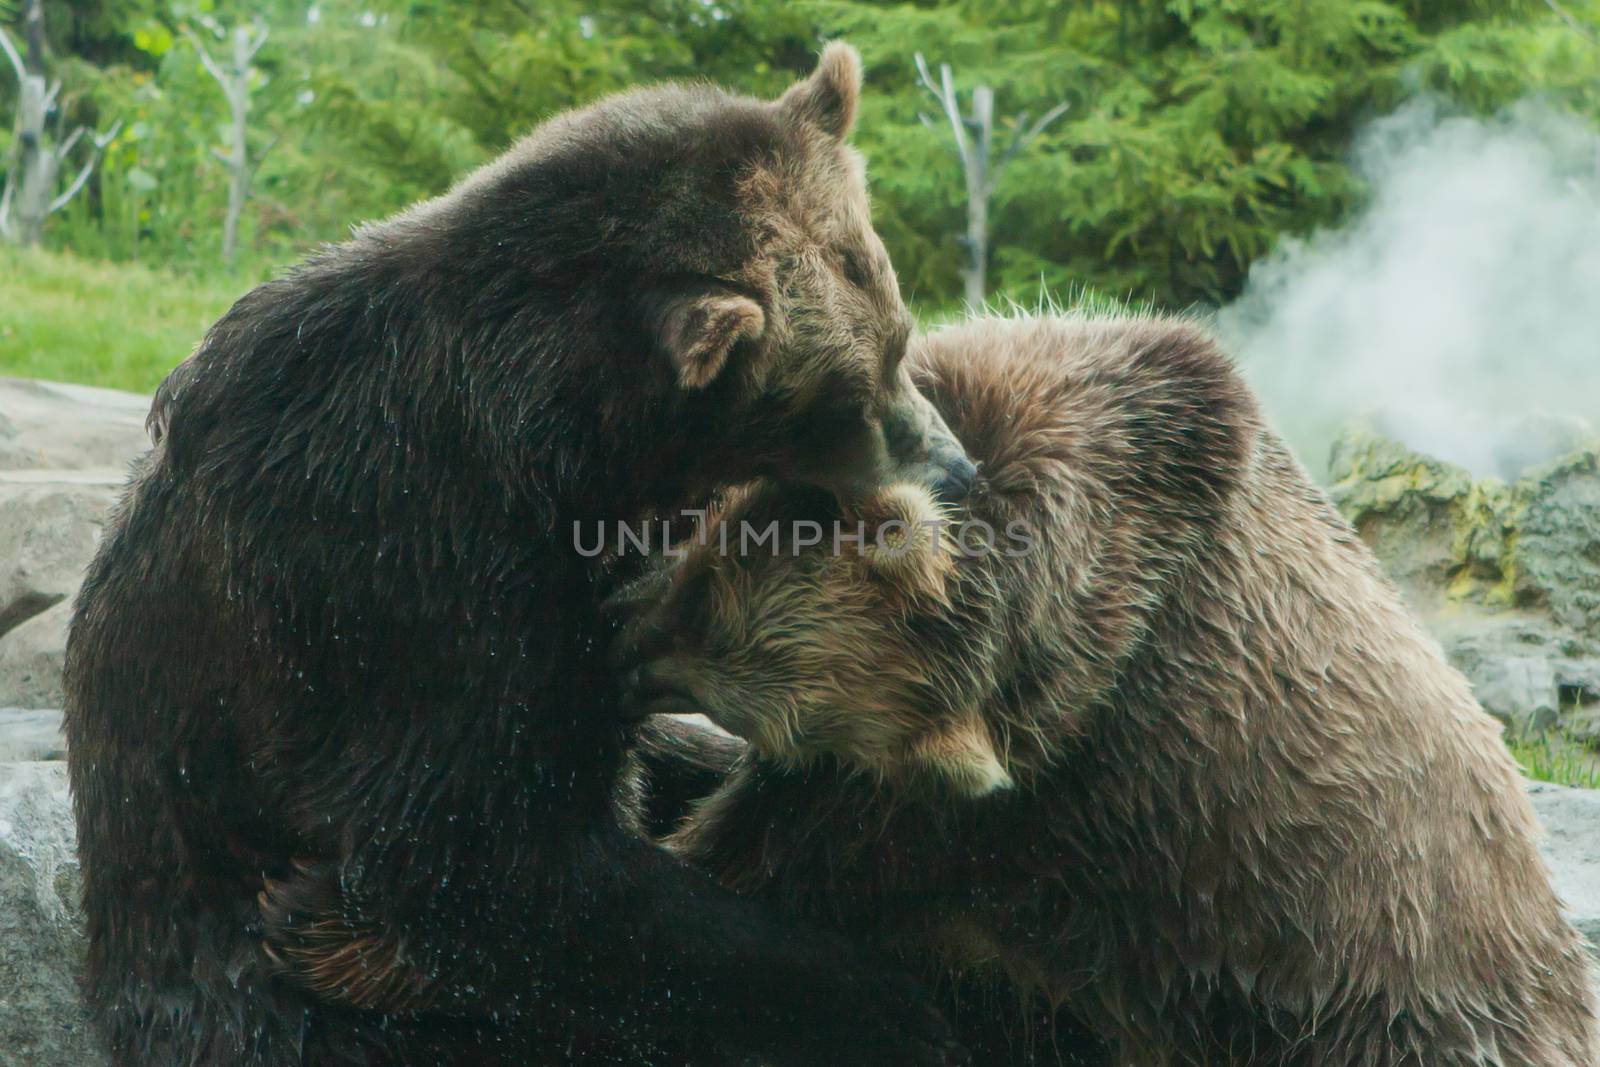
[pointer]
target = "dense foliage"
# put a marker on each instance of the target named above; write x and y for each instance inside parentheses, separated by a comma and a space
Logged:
(1199, 130)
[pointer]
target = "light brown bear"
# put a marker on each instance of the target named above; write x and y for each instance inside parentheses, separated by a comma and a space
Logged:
(1171, 754)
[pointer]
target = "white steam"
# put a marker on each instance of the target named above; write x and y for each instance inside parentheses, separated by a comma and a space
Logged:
(1462, 300)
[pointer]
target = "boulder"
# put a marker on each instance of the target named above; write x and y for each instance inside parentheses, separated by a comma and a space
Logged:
(1571, 819)
(1507, 576)
(1407, 506)
(1557, 553)
(52, 426)
(1527, 671)
(1445, 536)
(42, 1020)
(31, 734)
(50, 523)
(32, 657)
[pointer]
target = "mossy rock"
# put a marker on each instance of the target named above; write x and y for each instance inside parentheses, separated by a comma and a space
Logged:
(1446, 537)
(1556, 552)
(1410, 508)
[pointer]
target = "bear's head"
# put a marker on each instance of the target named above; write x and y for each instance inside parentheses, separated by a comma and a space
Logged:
(726, 302)
(824, 396)
(809, 632)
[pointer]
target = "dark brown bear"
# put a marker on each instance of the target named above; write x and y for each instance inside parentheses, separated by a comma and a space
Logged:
(340, 618)
(1171, 753)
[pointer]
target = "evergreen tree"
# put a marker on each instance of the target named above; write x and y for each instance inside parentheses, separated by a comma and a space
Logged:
(1200, 131)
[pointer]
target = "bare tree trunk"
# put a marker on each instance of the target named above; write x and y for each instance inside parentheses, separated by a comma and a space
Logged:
(238, 91)
(235, 83)
(979, 190)
(33, 35)
(36, 164)
(974, 278)
(974, 142)
(29, 196)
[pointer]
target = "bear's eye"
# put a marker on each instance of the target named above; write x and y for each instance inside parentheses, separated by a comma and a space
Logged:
(856, 270)
(827, 424)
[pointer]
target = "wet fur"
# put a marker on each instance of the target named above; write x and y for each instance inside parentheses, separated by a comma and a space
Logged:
(337, 651)
(1257, 819)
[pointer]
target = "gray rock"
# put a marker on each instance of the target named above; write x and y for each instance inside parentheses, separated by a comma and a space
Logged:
(50, 523)
(64, 456)
(1558, 543)
(1520, 691)
(31, 734)
(48, 425)
(42, 1020)
(31, 659)
(1583, 725)
(1526, 671)
(1571, 819)
(1507, 577)
(1407, 507)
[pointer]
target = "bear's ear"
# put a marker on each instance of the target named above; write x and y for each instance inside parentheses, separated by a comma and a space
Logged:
(698, 330)
(906, 540)
(963, 755)
(828, 98)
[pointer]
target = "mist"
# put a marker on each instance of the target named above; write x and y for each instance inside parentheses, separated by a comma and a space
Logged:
(1463, 299)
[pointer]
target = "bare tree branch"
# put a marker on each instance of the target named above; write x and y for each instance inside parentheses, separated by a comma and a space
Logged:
(66, 146)
(13, 54)
(210, 23)
(77, 183)
(947, 100)
(927, 80)
(262, 32)
(205, 57)
(6, 197)
(1576, 24)
(42, 146)
(1026, 135)
(99, 140)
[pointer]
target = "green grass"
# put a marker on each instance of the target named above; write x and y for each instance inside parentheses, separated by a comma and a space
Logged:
(125, 325)
(118, 325)
(1556, 758)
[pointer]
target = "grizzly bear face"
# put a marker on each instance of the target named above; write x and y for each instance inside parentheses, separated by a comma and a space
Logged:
(808, 633)
(797, 352)
(727, 310)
